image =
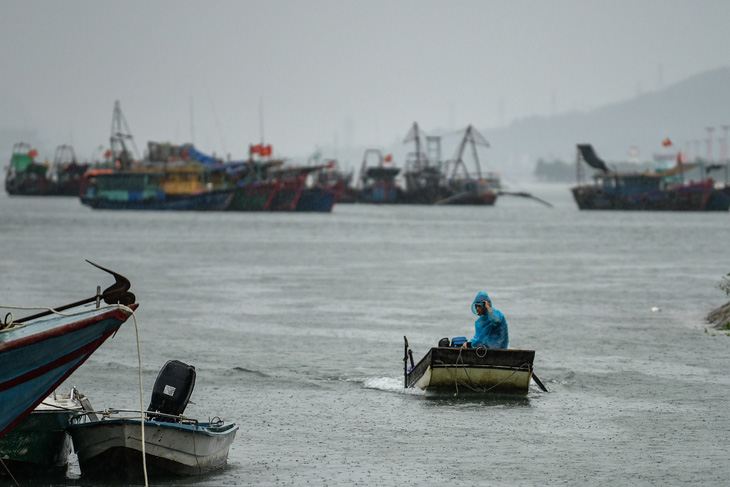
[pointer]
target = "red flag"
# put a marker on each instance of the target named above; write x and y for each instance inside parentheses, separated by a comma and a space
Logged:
(32, 153)
(266, 150)
(255, 149)
(666, 142)
(388, 158)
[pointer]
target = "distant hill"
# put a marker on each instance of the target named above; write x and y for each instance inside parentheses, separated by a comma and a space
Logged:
(679, 112)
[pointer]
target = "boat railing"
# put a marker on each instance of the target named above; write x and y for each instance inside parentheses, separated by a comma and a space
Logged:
(110, 414)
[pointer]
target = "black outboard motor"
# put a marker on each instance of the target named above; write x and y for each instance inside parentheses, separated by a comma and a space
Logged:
(172, 390)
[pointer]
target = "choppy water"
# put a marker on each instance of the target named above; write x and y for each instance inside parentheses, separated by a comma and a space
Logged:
(295, 323)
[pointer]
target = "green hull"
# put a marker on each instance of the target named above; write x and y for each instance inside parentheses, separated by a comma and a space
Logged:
(40, 444)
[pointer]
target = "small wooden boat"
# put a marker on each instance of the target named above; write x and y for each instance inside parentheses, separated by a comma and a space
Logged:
(456, 369)
(40, 446)
(39, 352)
(174, 445)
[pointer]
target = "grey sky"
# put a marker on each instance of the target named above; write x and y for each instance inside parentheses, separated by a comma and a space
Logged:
(334, 72)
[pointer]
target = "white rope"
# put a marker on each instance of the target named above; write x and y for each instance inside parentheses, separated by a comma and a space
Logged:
(141, 394)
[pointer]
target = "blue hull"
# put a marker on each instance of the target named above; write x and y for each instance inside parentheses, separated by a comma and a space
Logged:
(210, 201)
(37, 358)
(316, 200)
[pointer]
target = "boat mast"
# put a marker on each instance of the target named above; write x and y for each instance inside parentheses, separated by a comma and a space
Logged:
(474, 138)
(119, 133)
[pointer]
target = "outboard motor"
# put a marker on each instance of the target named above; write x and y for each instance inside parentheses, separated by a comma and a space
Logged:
(172, 390)
(444, 342)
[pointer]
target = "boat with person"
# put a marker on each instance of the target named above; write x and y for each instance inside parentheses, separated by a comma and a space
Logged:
(661, 190)
(453, 368)
(110, 443)
(40, 445)
(38, 352)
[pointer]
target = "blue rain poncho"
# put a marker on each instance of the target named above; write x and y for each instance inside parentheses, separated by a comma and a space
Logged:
(490, 330)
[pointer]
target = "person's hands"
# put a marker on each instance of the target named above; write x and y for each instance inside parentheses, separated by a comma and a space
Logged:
(487, 306)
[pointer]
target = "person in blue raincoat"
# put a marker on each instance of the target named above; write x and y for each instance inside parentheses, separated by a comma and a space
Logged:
(490, 329)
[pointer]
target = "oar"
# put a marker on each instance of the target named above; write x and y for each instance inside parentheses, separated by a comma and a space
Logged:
(539, 383)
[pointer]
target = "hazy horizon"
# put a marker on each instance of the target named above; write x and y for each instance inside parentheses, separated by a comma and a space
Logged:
(328, 74)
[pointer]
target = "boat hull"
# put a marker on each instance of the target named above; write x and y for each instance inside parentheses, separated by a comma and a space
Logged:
(318, 199)
(39, 445)
(37, 358)
(206, 201)
(255, 196)
(691, 197)
(112, 448)
(473, 370)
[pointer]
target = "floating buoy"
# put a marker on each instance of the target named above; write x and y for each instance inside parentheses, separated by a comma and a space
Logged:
(655, 309)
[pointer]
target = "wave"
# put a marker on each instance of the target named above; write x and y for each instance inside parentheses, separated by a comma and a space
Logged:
(389, 384)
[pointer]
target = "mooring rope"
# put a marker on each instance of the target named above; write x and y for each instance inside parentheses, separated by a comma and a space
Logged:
(9, 473)
(141, 394)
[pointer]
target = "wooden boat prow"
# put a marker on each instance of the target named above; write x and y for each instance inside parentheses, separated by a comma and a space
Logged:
(472, 370)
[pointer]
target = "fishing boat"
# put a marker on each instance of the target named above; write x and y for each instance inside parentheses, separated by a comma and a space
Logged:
(40, 446)
(174, 188)
(451, 368)
(38, 352)
(425, 180)
(26, 177)
(470, 188)
(377, 182)
(109, 445)
(658, 191)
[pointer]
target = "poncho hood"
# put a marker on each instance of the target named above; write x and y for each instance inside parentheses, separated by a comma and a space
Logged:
(479, 299)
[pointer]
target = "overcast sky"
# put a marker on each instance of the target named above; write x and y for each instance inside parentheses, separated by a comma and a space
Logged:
(334, 73)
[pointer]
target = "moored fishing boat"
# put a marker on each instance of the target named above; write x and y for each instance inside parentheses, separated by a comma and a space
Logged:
(174, 188)
(470, 188)
(378, 183)
(457, 369)
(26, 177)
(111, 446)
(655, 191)
(40, 446)
(38, 352)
